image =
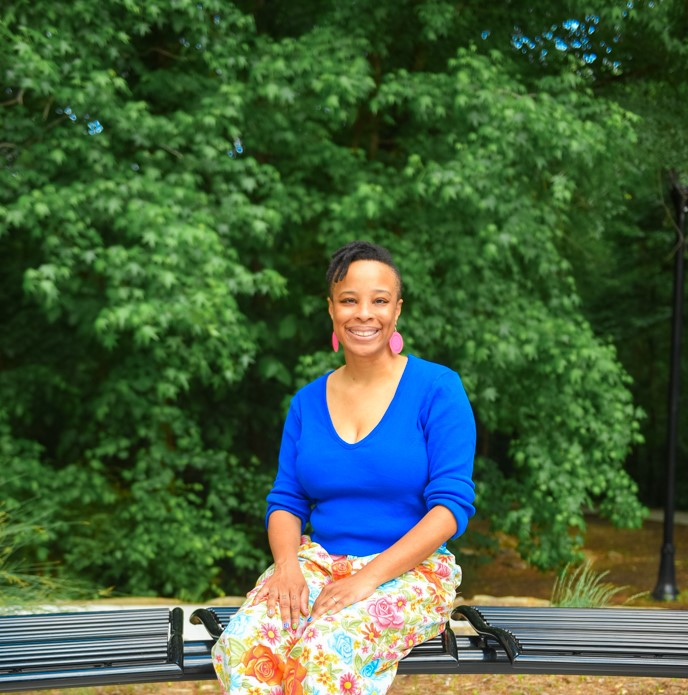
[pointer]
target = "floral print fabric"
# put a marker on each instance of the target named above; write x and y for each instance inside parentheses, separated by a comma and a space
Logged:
(354, 651)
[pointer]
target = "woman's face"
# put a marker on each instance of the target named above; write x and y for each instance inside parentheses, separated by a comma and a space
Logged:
(364, 307)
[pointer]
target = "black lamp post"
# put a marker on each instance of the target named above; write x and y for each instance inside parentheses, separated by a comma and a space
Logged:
(666, 589)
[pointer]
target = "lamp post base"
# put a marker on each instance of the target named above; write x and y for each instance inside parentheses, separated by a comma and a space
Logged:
(666, 589)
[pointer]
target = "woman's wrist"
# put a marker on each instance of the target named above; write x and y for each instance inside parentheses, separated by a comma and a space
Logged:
(370, 577)
(284, 562)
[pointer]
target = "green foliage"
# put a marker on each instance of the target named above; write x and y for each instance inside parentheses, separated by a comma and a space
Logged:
(161, 300)
(582, 587)
(23, 584)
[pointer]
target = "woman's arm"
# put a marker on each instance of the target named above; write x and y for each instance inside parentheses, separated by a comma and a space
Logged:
(409, 551)
(286, 586)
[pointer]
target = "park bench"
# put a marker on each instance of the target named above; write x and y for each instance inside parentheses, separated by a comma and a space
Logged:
(595, 641)
(66, 650)
(147, 645)
(603, 641)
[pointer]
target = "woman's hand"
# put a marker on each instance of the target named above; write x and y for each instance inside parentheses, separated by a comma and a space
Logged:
(286, 588)
(342, 593)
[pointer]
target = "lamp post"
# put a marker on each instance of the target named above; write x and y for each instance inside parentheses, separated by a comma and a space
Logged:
(666, 589)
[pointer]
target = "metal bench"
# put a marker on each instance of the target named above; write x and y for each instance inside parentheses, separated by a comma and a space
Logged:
(66, 650)
(598, 641)
(437, 655)
(147, 645)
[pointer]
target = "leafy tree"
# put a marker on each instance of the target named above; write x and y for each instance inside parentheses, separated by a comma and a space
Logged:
(162, 278)
(125, 337)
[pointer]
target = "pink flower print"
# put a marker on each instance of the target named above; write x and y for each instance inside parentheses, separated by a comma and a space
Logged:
(411, 641)
(270, 633)
(323, 555)
(400, 602)
(312, 633)
(417, 590)
(442, 569)
(348, 683)
(386, 613)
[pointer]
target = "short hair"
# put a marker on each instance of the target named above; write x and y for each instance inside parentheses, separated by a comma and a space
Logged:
(343, 257)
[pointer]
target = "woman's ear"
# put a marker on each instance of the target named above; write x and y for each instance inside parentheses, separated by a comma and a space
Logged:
(400, 301)
(330, 308)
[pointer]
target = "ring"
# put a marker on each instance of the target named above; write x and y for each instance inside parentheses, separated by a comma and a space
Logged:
(334, 599)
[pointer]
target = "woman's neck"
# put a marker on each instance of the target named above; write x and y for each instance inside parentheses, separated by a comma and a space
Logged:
(369, 371)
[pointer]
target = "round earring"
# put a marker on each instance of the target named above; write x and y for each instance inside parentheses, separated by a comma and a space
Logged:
(335, 342)
(396, 342)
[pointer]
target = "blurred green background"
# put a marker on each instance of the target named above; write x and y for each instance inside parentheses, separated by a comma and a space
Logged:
(175, 175)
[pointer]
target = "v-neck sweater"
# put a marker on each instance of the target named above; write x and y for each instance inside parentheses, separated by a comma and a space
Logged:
(360, 498)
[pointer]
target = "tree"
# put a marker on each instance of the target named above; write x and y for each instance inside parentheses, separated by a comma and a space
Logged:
(172, 263)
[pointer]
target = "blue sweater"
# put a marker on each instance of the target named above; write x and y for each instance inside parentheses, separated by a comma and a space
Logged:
(361, 498)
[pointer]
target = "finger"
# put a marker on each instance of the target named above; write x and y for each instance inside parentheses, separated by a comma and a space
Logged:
(304, 601)
(260, 595)
(317, 609)
(334, 605)
(326, 605)
(295, 603)
(285, 609)
(272, 603)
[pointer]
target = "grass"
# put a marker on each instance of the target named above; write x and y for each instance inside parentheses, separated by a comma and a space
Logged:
(24, 584)
(583, 587)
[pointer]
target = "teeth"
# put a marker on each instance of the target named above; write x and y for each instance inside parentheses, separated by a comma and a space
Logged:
(364, 334)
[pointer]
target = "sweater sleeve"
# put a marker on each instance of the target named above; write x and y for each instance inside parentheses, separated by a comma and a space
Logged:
(449, 428)
(287, 492)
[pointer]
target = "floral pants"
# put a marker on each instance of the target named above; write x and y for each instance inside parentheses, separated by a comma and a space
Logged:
(355, 651)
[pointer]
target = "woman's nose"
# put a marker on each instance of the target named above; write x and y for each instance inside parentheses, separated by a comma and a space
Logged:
(363, 310)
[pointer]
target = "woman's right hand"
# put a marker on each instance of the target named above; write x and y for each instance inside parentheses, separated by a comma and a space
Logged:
(287, 590)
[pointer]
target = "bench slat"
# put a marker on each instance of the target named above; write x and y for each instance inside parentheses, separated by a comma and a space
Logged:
(89, 660)
(77, 647)
(79, 678)
(18, 637)
(99, 617)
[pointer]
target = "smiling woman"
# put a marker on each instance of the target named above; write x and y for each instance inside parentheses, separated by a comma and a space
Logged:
(377, 457)
(365, 306)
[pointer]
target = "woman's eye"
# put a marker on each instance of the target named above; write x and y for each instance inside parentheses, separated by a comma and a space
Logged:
(381, 301)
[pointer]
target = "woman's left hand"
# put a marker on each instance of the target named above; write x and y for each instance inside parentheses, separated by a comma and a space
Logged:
(340, 594)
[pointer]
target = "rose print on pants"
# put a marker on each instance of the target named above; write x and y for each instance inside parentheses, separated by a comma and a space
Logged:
(294, 673)
(263, 664)
(386, 613)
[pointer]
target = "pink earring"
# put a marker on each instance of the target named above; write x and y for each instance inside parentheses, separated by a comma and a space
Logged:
(396, 342)
(335, 342)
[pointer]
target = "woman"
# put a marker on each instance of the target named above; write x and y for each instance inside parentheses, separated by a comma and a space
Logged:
(377, 457)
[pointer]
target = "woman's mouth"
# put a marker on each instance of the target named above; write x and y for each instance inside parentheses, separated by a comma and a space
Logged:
(364, 332)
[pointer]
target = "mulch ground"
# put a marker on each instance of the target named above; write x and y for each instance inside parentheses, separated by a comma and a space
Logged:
(441, 685)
